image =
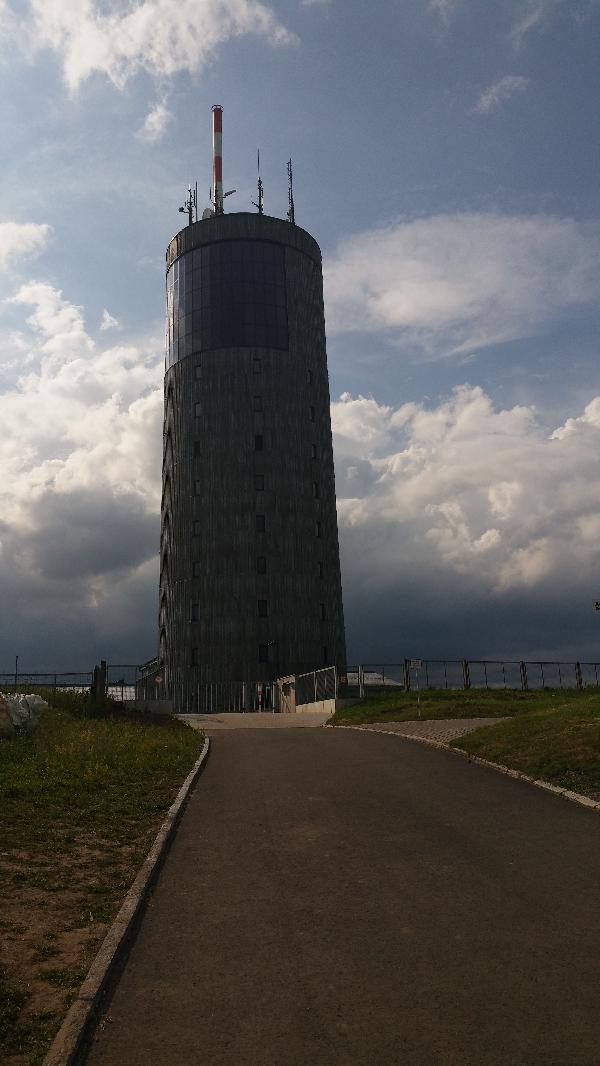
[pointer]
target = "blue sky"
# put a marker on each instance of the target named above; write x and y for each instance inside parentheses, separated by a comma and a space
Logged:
(446, 160)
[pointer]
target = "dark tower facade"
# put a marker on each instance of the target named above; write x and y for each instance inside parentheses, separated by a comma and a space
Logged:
(250, 585)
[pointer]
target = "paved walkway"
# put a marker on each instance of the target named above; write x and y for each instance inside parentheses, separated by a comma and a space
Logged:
(213, 723)
(339, 898)
(443, 731)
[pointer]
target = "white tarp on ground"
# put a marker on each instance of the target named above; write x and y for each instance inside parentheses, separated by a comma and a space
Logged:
(19, 712)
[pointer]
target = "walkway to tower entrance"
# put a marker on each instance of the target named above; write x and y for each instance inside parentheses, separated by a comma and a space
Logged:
(211, 723)
(347, 898)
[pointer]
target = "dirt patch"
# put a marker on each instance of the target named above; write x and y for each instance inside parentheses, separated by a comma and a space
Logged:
(55, 910)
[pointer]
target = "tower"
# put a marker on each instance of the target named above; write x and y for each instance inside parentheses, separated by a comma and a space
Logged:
(250, 585)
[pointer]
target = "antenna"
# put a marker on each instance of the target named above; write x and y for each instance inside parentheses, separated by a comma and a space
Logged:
(217, 113)
(191, 204)
(290, 215)
(259, 205)
(218, 195)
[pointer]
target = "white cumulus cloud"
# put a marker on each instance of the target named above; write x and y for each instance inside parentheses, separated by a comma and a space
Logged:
(20, 241)
(453, 283)
(80, 454)
(160, 37)
(468, 488)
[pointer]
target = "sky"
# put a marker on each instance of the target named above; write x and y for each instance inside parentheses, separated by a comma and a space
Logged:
(446, 160)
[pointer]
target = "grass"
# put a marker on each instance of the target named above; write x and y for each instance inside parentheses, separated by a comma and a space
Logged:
(551, 734)
(400, 706)
(559, 744)
(81, 799)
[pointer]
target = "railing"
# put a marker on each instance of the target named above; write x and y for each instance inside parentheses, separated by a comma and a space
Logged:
(469, 673)
(315, 686)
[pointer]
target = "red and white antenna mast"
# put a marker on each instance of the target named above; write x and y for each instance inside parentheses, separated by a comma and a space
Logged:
(217, 113)
(218, 194)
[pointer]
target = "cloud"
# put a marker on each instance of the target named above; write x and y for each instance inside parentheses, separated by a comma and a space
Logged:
(460, 509)
(443, 9)
(108, 321)
(451, 284)
(536, 14)
(80, 453)
(499, 92)
(155, 123)
(21, 241)
(160, 37)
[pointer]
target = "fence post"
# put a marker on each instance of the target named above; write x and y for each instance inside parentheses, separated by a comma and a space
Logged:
(466, 674)
(407, 675)
(578, 677)
(361, 684)
(523, 673)
(315, 683)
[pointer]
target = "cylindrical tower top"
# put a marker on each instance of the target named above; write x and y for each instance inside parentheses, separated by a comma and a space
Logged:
(240, 226)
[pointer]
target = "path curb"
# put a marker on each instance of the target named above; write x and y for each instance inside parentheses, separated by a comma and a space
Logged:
(574, 797)
(78, 1023)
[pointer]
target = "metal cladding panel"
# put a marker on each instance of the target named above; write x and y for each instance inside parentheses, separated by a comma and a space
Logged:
(247, 443)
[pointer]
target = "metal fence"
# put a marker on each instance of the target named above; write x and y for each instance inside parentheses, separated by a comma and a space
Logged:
(315, 686)
(469, 673)
(76, 681)
(126, 682)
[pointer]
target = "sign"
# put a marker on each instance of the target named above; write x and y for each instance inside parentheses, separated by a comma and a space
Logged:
(416, 664)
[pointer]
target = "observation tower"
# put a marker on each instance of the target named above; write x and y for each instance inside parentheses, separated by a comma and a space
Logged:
(250, 585)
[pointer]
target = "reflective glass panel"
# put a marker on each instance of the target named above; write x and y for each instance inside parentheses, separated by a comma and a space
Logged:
(227, 295)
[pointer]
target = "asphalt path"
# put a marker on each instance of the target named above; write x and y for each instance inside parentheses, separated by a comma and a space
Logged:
(342, 897)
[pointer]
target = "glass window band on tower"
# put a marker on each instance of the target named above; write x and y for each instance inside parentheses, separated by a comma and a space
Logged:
(227, 294)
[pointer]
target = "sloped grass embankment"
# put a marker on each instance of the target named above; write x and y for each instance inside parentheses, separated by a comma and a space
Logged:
(551, 735)
(82, 799)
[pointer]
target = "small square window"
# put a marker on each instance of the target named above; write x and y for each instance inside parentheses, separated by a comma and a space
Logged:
(195, 612)
(318, 529)
(197, 488)
(313, 451)
(261, 564)
(322, 611)
(198, 371)
(197, 569)
(262, 609)
(312, 413)
(256, 365)
(259, 442)
(320, 570)
(260, 523)
(259, 482)
(316, 490)
(197, 450)
(197, 409)
(263, 653)
(257, 404)
(197, 527)
(310, 377)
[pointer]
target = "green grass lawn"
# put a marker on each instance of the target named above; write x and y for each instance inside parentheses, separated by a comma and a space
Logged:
(559, 744)
(81, 799)
(552, 734)
(400, 706)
